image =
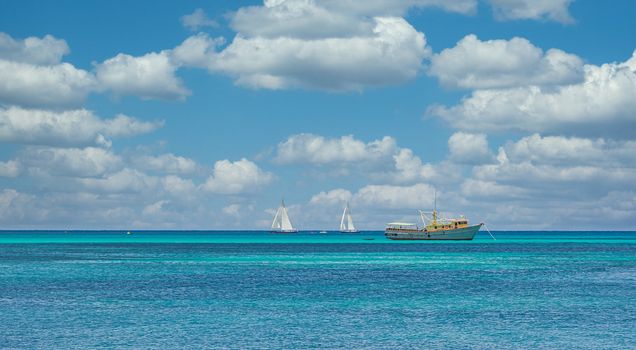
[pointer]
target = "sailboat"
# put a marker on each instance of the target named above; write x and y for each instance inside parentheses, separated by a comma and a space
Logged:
(281, 223)
(346, 223)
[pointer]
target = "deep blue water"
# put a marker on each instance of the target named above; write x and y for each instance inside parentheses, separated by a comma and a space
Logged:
(241, 290)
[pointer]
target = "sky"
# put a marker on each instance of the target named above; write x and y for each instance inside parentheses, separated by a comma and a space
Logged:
(204, 115)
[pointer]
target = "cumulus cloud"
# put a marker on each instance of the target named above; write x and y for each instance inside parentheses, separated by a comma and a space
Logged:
(197, 19)
(327, 18)
(236, 177)
(196, 51)
(292, 44)
(479, 189)
(602, 104)
(232, 210)
(555, 10)
(149, 76)
(310, 148)
(154, 209)
(177, 186)
(379, 159)
(124, 181)
(558, 165)
(398, 7)
(299, 19)
(68, 128)
(10, 168)
(33, 50)
(74, 162)
(469, 148)
(333, 197)
(571, 150)
(409, 167)
(166, 163)
(32, 75)
(476, 64)
(16, 206)
(60, 85)
(391, 54)
(416, 196)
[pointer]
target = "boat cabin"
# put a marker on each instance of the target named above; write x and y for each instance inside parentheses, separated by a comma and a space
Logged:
(450, 224)
(401, 226)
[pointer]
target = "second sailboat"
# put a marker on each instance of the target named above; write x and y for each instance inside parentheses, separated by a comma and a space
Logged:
(346, 222)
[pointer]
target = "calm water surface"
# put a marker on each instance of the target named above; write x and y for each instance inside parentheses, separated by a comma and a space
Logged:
(238, 290)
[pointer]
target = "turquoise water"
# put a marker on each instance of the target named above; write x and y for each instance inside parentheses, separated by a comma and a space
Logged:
(259, 290)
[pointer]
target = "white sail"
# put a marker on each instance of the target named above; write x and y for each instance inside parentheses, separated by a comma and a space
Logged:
(281, 221)
(346, 222)
(342, 220)
(351, 227)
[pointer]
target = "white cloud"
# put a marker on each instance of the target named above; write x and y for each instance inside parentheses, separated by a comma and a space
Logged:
(154, 209)
(183, 188)
(558, 165)
(166, 163)
(603, 104)
(480, 189)
(74, 162)
(410, 168)
(149, 76)
(322, 19)
(469, 148)
(299, 19)
(124, 181)
(378, 160)
(476, 64)
(10, 168)
(31, 73)
(68, 128)
(561, 150)
(60, 85)
(309, 148)
(236, 177)
(390, 54)
(196, 51)
(16, 206)
(398, 7)
(197, 19)
(32, 50)
(387, 196)
(232, 210)
(330, 198)
(555, 10)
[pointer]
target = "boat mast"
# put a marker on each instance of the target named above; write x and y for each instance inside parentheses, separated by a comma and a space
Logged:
(435, 209)
(342, 220)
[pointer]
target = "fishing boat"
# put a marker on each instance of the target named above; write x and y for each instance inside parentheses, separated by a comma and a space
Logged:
(346, 222)
(435, 228)
(281, 223)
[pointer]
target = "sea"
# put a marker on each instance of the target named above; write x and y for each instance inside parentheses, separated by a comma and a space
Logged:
(312, 290)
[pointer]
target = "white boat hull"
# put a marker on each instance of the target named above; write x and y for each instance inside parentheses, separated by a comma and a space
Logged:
(284, 231)
(459, 234)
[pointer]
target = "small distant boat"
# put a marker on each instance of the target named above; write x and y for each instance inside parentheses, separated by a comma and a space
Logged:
(129, 233)
(346, 222)
(281, 223)
(323, 231)
(434, 228)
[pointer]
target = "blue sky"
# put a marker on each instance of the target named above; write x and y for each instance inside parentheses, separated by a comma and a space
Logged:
(197, 115)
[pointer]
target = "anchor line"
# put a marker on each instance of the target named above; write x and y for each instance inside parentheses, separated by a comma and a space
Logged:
(491, 235)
